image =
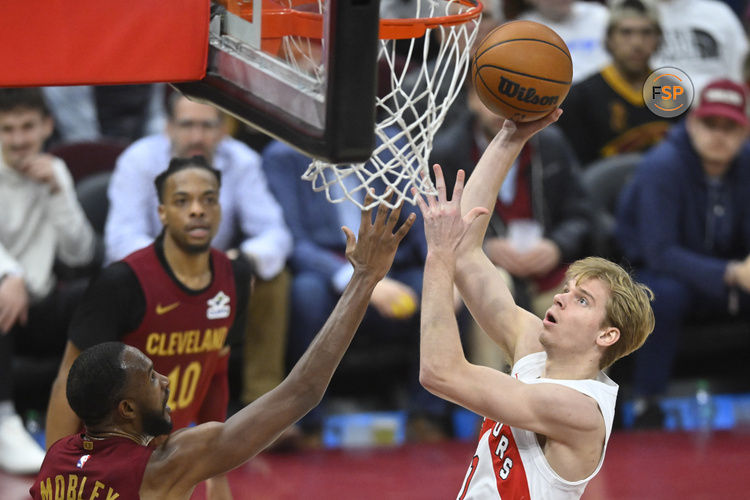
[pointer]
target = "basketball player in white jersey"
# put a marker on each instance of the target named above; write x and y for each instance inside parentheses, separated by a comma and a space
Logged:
(546, 425)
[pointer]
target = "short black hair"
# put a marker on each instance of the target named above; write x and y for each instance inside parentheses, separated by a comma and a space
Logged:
(23, 98)
(177, 164)
(96, 382)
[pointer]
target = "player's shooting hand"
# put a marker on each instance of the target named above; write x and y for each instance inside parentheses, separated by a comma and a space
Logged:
(393, 299)
(444, 227)
(520, 132)
(40, 168)
(14, 303)
(372, 251)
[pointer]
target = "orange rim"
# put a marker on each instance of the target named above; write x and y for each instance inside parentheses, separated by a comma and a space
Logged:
(280, 21)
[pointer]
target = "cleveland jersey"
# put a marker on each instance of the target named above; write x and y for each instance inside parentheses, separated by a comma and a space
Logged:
(182, 332)
(75, 467)
(509, 464)
(604, 116)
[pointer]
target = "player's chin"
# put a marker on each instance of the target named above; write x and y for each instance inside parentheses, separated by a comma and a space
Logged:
(198, 246)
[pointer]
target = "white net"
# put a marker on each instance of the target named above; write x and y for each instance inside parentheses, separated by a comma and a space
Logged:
(425, 75)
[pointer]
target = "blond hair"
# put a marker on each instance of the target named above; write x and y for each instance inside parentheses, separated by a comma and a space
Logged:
(628, 307)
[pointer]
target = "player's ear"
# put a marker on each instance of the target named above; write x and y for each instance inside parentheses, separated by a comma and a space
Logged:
(608, 336)
(126, 408)
(162, 214)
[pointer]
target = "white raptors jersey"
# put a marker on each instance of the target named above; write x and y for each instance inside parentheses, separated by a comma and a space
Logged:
(509, 463)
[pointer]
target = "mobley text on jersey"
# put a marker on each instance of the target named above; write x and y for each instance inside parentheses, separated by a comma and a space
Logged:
(72, 487)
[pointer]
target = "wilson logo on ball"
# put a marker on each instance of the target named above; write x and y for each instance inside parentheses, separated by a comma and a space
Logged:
(525, 94)
(521, 70)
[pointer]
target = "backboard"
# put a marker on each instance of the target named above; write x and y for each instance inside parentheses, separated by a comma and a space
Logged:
(302, 71)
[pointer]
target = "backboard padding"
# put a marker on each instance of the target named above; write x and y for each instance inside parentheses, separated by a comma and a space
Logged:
(86, 42)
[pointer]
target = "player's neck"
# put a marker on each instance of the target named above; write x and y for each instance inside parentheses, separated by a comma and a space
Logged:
(571, 367)
(192, 269)
(97, 434)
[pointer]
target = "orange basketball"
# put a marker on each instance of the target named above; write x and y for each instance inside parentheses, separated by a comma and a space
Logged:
(522, 70)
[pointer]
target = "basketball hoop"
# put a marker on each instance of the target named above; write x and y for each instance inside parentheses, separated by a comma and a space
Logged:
(410, 108)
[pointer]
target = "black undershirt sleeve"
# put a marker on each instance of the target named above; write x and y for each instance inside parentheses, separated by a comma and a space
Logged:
(113, 305)
(243, 273)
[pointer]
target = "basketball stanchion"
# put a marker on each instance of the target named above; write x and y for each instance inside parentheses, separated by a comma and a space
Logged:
(411, 105)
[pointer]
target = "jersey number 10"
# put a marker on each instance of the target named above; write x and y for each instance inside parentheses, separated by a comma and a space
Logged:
(183, 386)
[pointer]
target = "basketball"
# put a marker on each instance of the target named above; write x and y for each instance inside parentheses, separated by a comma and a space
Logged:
(522, 70)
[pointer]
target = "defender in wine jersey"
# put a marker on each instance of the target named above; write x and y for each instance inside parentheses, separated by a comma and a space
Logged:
(176, 300)
(79, 466)
(126, 450)
(184, 332)
(546, 425)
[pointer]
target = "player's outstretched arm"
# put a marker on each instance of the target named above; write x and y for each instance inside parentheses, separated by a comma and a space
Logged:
(482, 287)
(192, 455)
(490, 172)
(480, 283)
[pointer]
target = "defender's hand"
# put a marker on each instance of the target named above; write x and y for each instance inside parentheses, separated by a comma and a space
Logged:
(373, 250)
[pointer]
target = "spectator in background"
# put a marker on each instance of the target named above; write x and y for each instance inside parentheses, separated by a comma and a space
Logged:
(605, 114)
(41, 221)
(192, 296)
(684, 224)
(542, 218)
(119, 112)
(252, 224)
(581, 25)
(703, 38)
(321, 273)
